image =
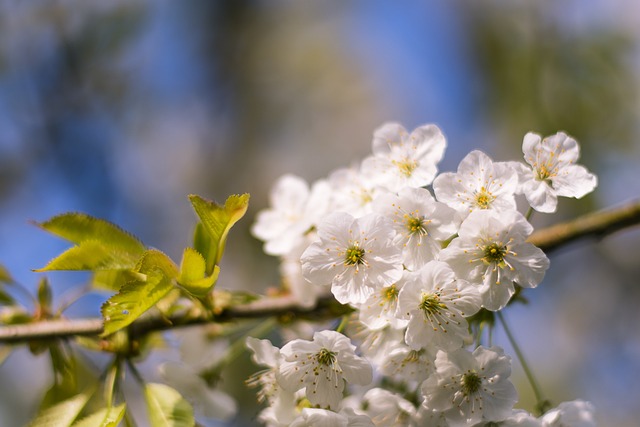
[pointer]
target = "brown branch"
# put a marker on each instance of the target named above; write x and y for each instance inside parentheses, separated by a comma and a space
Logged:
(267, 307)
(597, 224)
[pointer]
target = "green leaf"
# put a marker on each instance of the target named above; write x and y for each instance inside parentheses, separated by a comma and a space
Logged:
(92, 255)
(192, 273)
(71, 376)
(217, 221)
(166, 407)
(15, 315)
(154, 260)
(79, 227)
(100, 245)
(5, 351)
(61, 414)
(5, 298)
(202, 241)
(44, 295)
(5, 276)
(112, 280)
(134, 298)
(138, 296)
(106, 417)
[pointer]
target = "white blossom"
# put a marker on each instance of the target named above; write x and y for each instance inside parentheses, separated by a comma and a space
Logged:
(357, 256)
(551, 171)
(379, 310)
(401, 159)
(197, 355)
(431, 418)
(436, 304)
(302, 290)
(405, 364)
(470, 388)
(322, 366)
(577, 413)
(353, 191)
(376, 344)
(387, 409)
(294, 210)
(478, 184)
(422, 223)
(518, 418)
(315, 417)
(492, 251)
(282, 403)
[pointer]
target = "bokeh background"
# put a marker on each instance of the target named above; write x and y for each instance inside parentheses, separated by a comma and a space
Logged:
(122, 108)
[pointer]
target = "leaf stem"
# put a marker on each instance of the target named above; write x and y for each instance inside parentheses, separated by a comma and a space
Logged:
(541, 403)
(72, 296)
(136, 374)
(111, 380)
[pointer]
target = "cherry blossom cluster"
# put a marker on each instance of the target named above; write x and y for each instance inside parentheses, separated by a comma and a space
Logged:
(416, 254)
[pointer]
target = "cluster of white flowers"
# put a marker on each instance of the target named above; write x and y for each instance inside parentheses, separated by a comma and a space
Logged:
(415, 265)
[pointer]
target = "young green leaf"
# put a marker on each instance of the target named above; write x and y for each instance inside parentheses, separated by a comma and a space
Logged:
(5, 298)
(155, 260)
(217, 221)
(5, 351)
(137, 296)
(78, 227)
(71, 376)
(134, 299)
(192, 273)
(92, 255)
(106, 417)
(45, 297)
(112, 280)
(61, 414)
(202, 241)
(5, 276)
(166, 407)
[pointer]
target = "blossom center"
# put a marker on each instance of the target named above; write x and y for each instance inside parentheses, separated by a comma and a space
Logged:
(546, 164)
(365, 197)
(430, 304)
(326, 357)
(390, 293)
(354, 255)
(414, 356)
(416, 225)
(405, 166)
(484, 198)
(470, 383)
(494, 253)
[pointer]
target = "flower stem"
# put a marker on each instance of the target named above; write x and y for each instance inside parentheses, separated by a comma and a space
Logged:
(136, 374)
(343, 323)
(490, 335)
(542, 404)
(529, 213)
(239, 346)
(212, 373)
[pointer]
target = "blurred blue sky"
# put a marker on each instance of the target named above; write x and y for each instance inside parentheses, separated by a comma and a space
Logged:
(120, 110)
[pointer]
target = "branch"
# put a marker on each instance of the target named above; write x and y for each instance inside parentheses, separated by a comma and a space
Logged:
(326, 306)
(597, 224)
